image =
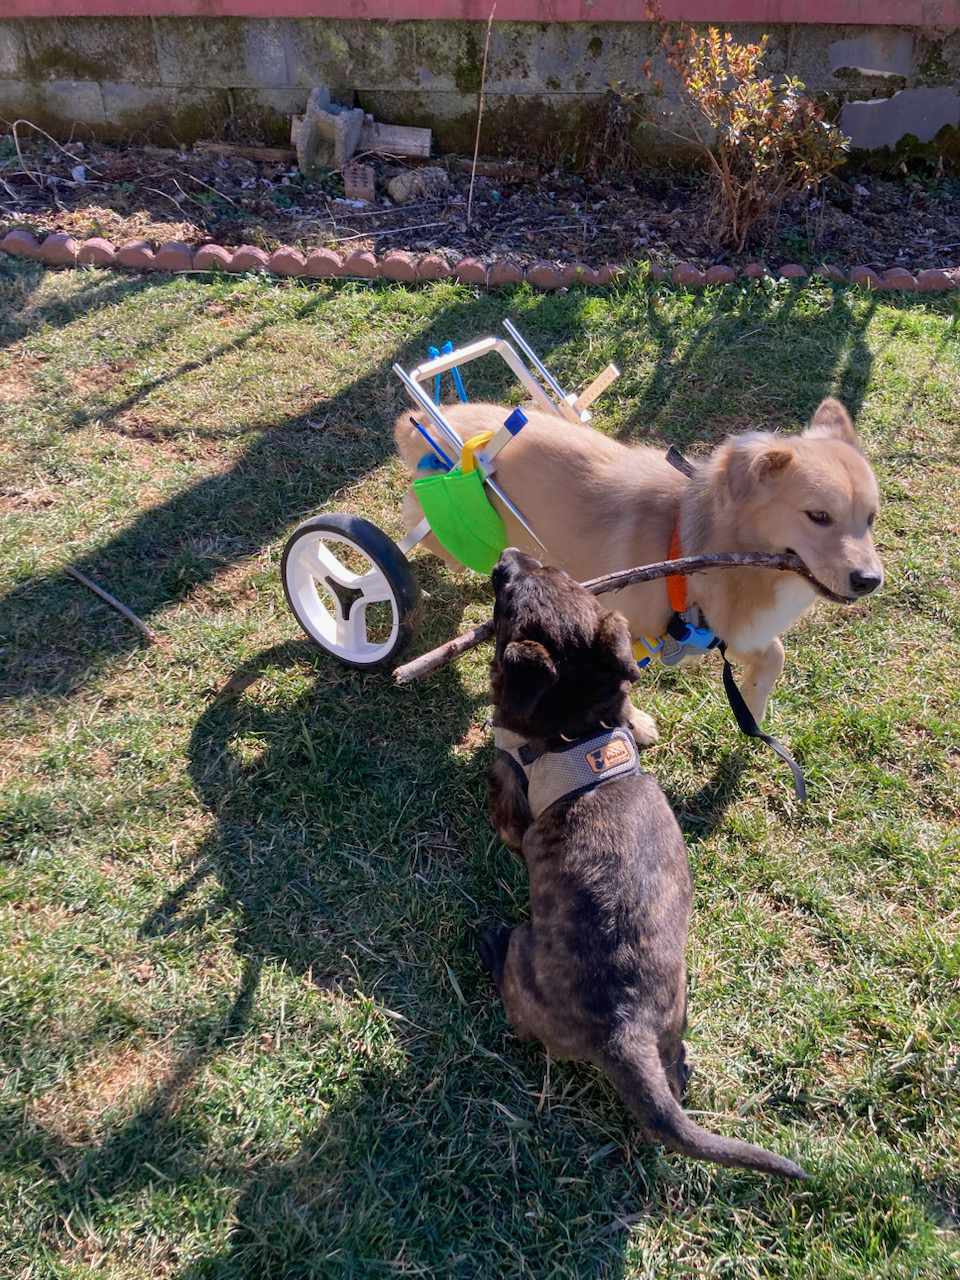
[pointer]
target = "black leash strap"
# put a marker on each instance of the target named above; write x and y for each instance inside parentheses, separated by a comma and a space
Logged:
(748, 725)
(676, 459)
(742, 713)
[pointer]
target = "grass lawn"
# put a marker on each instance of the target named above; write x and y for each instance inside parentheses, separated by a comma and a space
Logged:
(243, 1026)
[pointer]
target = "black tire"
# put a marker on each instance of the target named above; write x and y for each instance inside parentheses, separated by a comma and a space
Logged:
(388, 558)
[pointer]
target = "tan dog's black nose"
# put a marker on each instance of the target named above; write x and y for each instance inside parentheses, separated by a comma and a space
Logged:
(861, 584)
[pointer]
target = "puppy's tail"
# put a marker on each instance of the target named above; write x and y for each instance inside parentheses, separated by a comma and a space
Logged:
(639, 1077)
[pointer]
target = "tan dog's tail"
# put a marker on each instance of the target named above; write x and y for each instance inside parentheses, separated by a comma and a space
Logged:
(640, 1079)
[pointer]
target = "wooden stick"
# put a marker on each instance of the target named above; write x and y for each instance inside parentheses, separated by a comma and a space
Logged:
(476, 141)
(597, 387)
(114, 603)
(787, 563)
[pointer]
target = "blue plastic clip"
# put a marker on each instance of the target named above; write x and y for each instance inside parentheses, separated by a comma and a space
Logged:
(445, 350)
(517, 420)
(444, 459)
(697, 637)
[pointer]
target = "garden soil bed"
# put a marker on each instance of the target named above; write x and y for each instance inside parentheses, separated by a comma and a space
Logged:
(195, 196)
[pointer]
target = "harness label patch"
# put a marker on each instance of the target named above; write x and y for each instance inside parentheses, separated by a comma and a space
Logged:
(610, 756)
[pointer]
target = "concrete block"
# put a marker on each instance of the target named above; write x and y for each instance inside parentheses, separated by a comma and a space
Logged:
(120, 49)
(882, 122)
(328, 134)
(221, 52)
(13, 51)
(55, 105)
(323, 53)
(264, 114)
(162, 113)
(883, 51)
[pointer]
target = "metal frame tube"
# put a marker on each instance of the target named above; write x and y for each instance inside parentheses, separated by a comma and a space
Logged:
(436, 416)
(534, 359)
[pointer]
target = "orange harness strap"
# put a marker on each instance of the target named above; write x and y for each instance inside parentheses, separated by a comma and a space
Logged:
(676, 584)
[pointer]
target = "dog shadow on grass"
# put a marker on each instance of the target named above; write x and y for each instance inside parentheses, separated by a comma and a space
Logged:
(352, 849)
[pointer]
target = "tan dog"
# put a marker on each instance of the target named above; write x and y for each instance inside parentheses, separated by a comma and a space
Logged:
(599, 506)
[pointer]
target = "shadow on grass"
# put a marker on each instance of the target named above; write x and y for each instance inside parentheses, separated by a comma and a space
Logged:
(753, 358)
(290, 471)
(351, 850)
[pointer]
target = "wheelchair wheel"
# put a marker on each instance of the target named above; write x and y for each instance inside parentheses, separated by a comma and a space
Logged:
(351, 589)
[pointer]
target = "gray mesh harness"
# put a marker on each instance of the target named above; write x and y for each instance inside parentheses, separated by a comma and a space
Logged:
(577, 767)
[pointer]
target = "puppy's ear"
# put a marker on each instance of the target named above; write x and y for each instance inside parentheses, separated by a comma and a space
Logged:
(615, 646)
(527, 671)
(749, 462)
(832, 422)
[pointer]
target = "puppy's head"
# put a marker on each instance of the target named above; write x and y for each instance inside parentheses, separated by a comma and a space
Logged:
(814, 494)
(562, 663)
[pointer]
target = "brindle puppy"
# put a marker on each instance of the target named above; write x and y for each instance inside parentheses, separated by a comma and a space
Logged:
(599, 972)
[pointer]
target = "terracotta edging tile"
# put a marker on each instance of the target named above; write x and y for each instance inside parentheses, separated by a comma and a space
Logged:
(400, 266)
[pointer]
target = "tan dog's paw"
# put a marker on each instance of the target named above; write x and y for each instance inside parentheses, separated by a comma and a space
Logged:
(644, 728)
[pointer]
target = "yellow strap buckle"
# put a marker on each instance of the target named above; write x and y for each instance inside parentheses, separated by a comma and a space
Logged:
(468, 462)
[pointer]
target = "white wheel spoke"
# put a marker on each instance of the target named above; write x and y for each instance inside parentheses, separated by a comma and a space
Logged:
(374, 587)
(352, 630)
(330, 566)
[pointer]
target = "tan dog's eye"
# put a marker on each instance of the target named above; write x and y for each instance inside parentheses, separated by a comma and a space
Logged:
(819, 517)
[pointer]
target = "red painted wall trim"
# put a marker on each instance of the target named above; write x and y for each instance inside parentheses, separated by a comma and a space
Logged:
(905, 13)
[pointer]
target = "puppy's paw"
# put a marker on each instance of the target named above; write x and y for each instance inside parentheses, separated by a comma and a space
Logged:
(492, 946)
(644, 728)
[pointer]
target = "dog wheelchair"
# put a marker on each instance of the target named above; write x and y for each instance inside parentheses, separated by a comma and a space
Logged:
(350, 585)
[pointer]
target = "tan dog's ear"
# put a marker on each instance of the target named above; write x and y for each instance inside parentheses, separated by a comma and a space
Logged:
(749, 462)
(528, 672)
(832, 422)
(616, 648)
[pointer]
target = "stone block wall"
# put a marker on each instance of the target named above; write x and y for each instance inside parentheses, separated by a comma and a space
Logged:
(153, 75)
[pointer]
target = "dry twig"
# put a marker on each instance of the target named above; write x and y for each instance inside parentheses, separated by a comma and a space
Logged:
(476, 141)
(150, 636)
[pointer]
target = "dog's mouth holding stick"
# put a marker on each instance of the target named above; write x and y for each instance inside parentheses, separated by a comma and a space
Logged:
(786, 562)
